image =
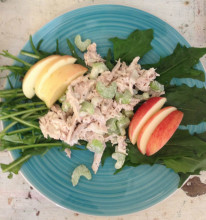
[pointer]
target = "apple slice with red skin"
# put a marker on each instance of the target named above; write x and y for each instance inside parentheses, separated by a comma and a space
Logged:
(141, 116)
(149, 127)
(163, 132)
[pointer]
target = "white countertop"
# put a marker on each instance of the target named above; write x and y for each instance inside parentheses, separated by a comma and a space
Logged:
(18, 20)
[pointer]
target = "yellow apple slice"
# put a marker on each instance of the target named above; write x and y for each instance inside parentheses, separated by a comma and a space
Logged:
(49, 69)
(56, 84)
(33, 73)
(150, 126)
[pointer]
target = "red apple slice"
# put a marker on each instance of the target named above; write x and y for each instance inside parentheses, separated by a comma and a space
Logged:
(150, 126)
(163, 132)
(145, 111)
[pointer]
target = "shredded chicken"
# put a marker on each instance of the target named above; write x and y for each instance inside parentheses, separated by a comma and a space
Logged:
(79, 125)
(92, 56)
(68, 152)
(96, 162)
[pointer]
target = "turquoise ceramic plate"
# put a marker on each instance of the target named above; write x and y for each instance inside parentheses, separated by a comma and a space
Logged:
(133, 189)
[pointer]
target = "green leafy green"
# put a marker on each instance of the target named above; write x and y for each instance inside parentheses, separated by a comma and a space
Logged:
(109, 60)
(180, 64)
(191, 101)
(184, 153)
(16, 165)
(183, 178)
(183, 144)
(109, 150)
(74, 53)
(185, 164)
(138, 43)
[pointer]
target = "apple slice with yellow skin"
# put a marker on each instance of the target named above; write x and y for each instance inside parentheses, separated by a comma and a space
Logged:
(144, 112)
(33, 73)
(149, 127)
(163, 132)
(55, 85)
(49, 69)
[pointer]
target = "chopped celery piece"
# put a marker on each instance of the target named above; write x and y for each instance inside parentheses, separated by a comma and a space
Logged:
(122, 124)
(95, 146)
(79, 171)
(66, 106)
(62, 98)
(124, 98)
(112, 126)
(81, 45)
(128, 114)
(97, 68)
(145, 95)
(120, 158)
(117, 126)
(96, 101)
(87, 107)
(106, 92)
(156, 86)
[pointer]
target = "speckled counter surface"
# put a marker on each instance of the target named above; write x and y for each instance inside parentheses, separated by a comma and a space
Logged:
(18, 20)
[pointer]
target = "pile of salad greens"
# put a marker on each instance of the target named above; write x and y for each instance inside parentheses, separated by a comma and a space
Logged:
(184, 153)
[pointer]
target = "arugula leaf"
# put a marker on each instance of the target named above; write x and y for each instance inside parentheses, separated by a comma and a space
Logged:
(179, 64)
(74, 53)
(191, 101)
(16, 165)
(138, 43)
(15, 138)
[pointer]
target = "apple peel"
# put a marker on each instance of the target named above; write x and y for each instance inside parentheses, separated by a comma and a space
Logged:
(150, 126)
(142, 115)
(163, 132)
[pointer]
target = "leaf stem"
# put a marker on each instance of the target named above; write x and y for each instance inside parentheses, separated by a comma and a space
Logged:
(28, 54)
(33, 47)
(39, 44)
(22, 112)
(17, 162)
(28, 104)
(7, 54)
(12, 68)
(14, 95)
(25, 122)
(34, 146)
(3, 132)
(22, 130)
(10, 91)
